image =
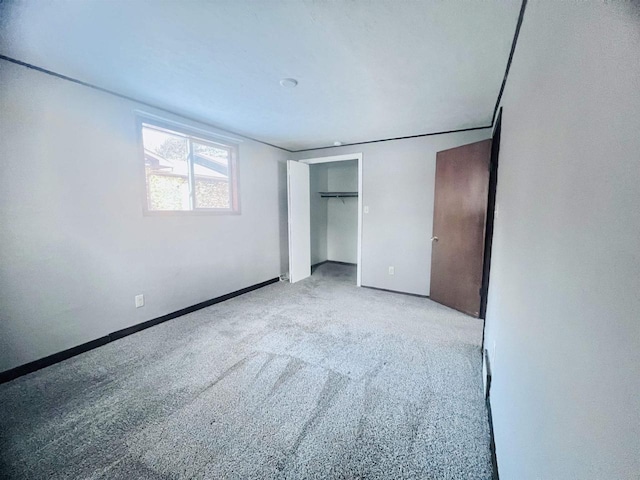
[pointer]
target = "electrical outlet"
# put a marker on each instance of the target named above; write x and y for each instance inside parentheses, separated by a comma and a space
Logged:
(392, 271)
(139, 301)
(366, 209)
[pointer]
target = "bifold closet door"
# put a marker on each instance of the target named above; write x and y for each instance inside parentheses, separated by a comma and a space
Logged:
(299, 221)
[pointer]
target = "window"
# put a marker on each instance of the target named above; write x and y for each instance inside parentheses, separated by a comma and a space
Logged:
(185, 172)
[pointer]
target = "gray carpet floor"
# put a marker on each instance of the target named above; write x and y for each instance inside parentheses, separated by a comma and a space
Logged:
(319, 379)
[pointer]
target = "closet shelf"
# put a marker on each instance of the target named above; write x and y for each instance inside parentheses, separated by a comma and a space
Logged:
(338, 194)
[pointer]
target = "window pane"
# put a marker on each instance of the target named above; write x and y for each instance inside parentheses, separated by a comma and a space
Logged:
(211, 171)
(166, 169)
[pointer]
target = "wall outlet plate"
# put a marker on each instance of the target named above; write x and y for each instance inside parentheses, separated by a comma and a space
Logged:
(139, 301)
(392, 271)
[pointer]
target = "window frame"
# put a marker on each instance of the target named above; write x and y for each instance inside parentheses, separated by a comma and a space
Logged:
(192, 134)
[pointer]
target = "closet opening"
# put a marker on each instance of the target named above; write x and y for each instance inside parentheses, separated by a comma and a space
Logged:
(325, 203)
(334, 218)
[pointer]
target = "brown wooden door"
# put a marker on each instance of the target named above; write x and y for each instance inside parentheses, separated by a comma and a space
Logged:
(459, 219)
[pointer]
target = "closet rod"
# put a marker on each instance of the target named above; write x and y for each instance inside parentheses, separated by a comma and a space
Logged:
(338, 194)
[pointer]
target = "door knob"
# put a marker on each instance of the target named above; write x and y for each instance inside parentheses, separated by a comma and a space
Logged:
(434, 239)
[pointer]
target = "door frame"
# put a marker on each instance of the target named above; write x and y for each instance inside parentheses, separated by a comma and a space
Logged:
(491, 214)
(344, 158)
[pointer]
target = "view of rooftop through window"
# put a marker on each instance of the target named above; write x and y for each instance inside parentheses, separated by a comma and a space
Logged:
(186, 173)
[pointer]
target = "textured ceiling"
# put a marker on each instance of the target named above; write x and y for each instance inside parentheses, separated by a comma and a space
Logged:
(367, 70)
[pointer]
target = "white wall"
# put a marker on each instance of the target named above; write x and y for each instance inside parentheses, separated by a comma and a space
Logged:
(319, 182)
(76, 247)
(342, 215)
(398, 186)
(564, 300)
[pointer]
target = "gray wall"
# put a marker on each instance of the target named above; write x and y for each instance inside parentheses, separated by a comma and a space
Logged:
(75, 245)
(398, 186)
(319, 182)
(563, 324)
(342, 214)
